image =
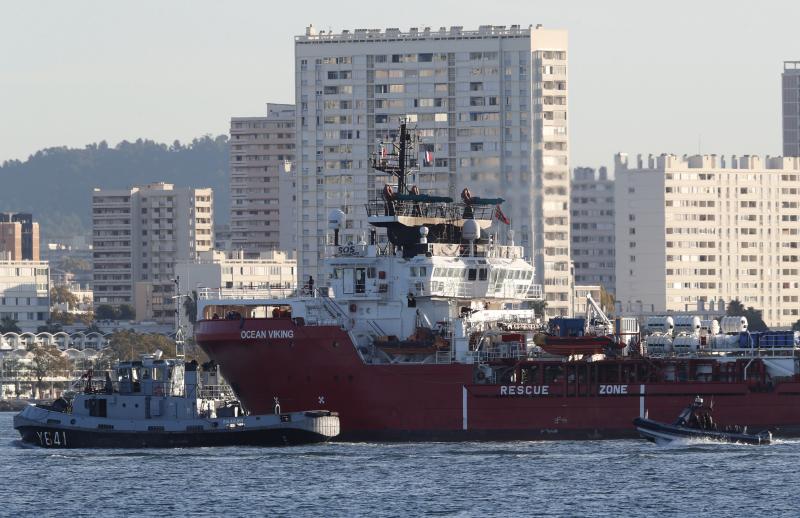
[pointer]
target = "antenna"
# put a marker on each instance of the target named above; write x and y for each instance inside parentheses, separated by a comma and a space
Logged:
(180, 345)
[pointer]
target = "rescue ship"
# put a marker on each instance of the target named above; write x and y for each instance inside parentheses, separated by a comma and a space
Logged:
(432, 336)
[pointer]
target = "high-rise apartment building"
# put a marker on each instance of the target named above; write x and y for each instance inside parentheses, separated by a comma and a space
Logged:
(28, 235)
(138, 235)
(592, 193)
(790, 85)
(262, 153)
(700, 228)
(489, 104)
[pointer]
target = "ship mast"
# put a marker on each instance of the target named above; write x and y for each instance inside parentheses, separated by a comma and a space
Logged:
(399, 169)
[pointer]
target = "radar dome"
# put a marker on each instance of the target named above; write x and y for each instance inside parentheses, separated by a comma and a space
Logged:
(471, 230)
(336, 219)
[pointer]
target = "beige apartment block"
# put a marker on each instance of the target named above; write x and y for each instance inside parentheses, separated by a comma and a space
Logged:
(490, 104)
(261, 156)
(703, 228)
(593, 250)
(138, 236)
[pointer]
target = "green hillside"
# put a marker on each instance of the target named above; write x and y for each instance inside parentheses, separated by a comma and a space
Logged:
(55, 184)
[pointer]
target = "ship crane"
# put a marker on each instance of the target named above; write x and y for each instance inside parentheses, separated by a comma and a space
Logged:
(597, 323)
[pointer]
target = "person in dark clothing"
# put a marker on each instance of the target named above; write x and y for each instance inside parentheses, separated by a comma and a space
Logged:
(310, 285)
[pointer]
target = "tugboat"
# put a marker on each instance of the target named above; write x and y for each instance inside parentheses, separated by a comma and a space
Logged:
(162, 404)
(695, 422)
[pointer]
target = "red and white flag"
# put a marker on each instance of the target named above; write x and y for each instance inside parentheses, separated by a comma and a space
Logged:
(498, 213)
(428, 160)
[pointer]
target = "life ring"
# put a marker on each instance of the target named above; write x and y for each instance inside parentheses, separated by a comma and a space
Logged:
(353, 308)
(415, 190)
(158, 389)
(388, 193)
(466, 196)
(481, 376)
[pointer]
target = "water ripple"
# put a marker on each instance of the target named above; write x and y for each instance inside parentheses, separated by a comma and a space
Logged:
(569, 478)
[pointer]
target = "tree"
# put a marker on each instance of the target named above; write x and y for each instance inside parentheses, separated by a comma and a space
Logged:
(47, 360)
(539, 307)
(9, 325)
(190, 307)
(607, 301)
(105, 312)
(62, 318)
(62, 295)
(129, 345)
(126, 312)
(735, 308)
(51, 327)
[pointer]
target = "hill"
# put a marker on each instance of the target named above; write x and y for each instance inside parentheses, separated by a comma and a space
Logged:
(55, 184)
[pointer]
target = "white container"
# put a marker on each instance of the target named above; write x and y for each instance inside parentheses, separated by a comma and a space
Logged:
(659, 344)
(724, 342)
(664, 325)
(687, 324)
(709, 327)
(686, 343)
(733, 324)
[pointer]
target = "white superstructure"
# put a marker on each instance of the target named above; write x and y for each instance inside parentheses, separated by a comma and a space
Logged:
(490, 106)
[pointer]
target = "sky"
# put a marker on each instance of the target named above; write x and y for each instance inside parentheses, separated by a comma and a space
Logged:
(644, 77)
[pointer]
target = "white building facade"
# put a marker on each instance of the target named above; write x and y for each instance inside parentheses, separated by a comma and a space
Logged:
(701, 228)
(489, 104)
(261, 156)
(138, 236)
(592, 207)
(25, 293)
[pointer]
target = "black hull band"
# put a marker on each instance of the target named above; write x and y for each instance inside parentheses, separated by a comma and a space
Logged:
(53, 437)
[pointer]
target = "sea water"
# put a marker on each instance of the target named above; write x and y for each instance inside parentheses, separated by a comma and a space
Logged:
(552, 478)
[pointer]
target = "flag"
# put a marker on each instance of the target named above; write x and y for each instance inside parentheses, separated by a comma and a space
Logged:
(498, 213)
(383, 151)
(428, 159)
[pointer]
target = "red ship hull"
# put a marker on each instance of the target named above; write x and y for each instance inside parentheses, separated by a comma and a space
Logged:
(318, 367)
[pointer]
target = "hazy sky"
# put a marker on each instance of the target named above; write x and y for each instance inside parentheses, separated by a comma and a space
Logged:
(644, 76)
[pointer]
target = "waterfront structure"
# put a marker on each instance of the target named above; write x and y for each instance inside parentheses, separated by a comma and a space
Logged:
(25, 293)
(702, 229)
(262, 154)
(790, 88)
(138, 236)
(19, 241)
(592, 208)
(489, 105)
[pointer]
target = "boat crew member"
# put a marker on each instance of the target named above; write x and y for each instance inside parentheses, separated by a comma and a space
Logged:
(311, 285)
